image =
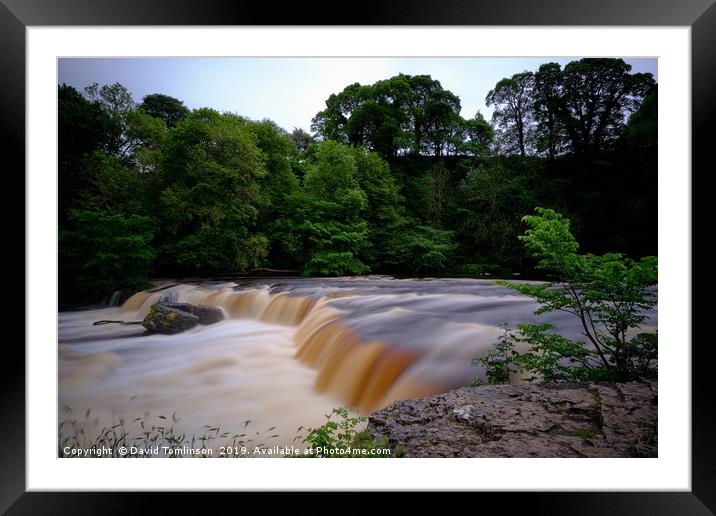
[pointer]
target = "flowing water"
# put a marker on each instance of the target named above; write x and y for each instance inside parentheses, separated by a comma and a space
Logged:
(289, 351)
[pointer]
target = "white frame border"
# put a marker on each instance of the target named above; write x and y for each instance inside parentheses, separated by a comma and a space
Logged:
(670, 471)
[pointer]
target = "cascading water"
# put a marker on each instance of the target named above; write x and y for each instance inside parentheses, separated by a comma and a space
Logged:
(289, 351)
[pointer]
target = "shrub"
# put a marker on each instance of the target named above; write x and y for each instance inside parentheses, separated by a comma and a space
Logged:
(476, 269)
(609, 294)
(327, 263)
(341, 435)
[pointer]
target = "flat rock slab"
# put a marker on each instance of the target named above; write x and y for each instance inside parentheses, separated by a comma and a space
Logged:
(596, 420)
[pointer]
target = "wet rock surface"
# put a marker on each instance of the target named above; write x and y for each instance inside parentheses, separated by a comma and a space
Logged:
(172, 318)
(165, 319)
(596, 420)
(206, 314)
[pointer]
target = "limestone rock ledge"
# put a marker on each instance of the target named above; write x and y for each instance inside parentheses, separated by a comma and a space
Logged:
(570, 420)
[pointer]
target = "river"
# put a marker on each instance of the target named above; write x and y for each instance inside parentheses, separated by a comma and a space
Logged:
(289, 351)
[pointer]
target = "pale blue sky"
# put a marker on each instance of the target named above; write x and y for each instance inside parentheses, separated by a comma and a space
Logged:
(290, 91)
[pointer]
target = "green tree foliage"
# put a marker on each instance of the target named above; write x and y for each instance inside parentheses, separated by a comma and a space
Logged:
(441, 121)
(83, 127)
(421, 250)
(478, 135)
(582, 108)
(106, 230)
(385, 214)
(300, 139)
(609, 295)
(435, 191)
(394, 116)
(341, 436)
(549, 358)
(512, 99)
(102, 252)
(549, 135)
(491, 200)
(210, 194)
(499, 361)
(329, 213)
(169, 109)
(117, 103)
(642, 129)
(130, 128)
(395, 181)
(114, 187)
(277, 187)
(398, 242)
(598, 96)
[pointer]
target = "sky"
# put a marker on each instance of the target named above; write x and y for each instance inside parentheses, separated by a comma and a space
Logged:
(290, 91)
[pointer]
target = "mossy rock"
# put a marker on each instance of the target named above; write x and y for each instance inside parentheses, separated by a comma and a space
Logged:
(163, 318)
(207, 314)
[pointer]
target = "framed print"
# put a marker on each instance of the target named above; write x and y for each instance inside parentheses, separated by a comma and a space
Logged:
(429, 236)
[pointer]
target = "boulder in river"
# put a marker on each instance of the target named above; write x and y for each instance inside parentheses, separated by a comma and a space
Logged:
(162, 318)
(597, 420)
(172, 318)
(207, 314)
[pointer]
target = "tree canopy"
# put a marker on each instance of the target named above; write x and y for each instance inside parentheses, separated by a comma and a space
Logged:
(169, 109)
(400, 115)
(393, 179)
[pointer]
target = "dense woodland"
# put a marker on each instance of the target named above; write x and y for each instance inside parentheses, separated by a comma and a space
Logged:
(393, 180)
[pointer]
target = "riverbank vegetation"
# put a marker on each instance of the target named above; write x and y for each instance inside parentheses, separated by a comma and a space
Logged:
(343, 435)
(392, 180)
(609, 294)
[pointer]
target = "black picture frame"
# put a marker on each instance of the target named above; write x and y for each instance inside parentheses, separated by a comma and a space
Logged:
(700, 15)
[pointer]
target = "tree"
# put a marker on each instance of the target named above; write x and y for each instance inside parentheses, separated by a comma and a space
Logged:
(608, 294)
(379, 119)
(92, 175)
(113, 187)
(599, 95)
(392, 116)
(105, 231)
(301, 139)
(440, 119)
(393, 181)
(116, 102)
(82, 128)
(512, 99)
(478, 135)
(435, 190)
(385, 210)
(641, 130)
(209, 196)
(276, 188)
(328, 213)
(169, 109)
(425, 104)
(491, 199)
(130, 129)
(548, 107)
(420, 249)
(373, 125)
(102, 252)
(331, 123)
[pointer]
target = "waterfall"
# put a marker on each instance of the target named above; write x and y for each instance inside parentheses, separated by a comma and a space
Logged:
(357, 372)
(288, 351)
